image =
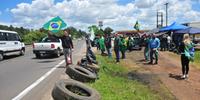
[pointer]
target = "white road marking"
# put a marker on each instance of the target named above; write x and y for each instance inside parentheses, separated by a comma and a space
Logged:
(28, 89)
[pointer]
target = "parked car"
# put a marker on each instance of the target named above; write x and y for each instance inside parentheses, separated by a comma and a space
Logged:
(51, 46)
(10, 44)
(137, 43)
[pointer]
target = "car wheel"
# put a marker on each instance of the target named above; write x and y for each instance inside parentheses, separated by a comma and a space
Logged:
(1, 56)
(81, 74)
(22, 52)
(58, 53)
(37, 55)
(73, 90)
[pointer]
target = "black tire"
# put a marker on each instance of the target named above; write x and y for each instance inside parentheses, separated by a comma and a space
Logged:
(58, 53)
(94, 67)
(37, 55)
(1, 56)
(80, 74)
(22, 52)
(72, 90)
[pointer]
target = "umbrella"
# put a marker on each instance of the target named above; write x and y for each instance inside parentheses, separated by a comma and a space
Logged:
(55, 24)
(190, 30)
(173, 27)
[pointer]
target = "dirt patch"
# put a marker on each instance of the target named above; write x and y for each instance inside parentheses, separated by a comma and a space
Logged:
(141, 74)
(166, 74)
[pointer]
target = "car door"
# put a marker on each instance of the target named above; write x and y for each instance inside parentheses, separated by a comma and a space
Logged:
(3, 42)
(13, 43)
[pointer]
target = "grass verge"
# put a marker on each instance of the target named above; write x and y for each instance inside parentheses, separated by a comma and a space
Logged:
(115, 85)
(197, 59)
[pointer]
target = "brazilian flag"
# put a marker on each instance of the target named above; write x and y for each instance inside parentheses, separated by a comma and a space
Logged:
(137, 26)
(55, 25)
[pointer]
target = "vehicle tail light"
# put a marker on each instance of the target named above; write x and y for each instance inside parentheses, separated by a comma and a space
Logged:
(52, 46)
(33, 45)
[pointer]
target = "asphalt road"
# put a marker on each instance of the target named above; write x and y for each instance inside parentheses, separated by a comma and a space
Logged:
(17, 73)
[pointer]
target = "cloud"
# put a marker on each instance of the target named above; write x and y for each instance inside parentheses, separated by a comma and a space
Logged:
(145, 3)
(83, 13)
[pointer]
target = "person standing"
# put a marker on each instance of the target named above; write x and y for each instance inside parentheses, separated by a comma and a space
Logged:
(187, 54)
(117, 47)
(130, 43)
(154, 44)
(67, 45)
(102, 45)
(123, 47)
(146, 47)
(168, 42)
(108, 43)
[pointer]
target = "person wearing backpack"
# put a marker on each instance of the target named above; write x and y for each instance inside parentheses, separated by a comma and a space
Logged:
(187, 55)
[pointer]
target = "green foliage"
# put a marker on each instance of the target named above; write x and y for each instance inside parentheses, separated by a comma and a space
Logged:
(114, 84)
(108, 30)
(22, 31)
(76, 33)
(197, 59)
(100, 32)
(34, 36)
(30, 36)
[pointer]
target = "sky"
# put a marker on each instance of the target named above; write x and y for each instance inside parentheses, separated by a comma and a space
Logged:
(117, 14)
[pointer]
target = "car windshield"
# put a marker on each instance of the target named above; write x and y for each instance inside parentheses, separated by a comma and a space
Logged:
(50, 40)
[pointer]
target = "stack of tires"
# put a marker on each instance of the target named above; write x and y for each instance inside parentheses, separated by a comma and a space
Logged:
(74, 88)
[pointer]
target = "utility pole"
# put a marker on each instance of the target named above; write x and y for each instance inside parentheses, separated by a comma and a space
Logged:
(159, 19)
(166, 4)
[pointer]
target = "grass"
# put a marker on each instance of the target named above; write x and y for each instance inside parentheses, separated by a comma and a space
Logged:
(197, 59)
(115, 85)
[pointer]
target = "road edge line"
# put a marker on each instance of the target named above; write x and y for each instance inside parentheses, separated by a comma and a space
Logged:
(38, 81)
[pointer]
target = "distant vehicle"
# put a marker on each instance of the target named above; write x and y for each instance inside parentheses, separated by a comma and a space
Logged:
(51, 46)
(10, 44)
(137, 43)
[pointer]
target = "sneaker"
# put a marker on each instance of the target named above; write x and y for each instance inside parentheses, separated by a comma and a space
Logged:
(183, 76)
(156, 63)
(186, 76)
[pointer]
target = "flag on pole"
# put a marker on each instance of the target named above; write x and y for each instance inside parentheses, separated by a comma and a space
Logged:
(54, 25)
(137, 26)
(92, 36)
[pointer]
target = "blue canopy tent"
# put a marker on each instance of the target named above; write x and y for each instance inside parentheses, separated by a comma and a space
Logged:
(190, 30)
(173, 27)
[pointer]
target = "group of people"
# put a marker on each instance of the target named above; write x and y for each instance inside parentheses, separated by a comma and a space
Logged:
(151, 44)
(120, 43)
(186, 49)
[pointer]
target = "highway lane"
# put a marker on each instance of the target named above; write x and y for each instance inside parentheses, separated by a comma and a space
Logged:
(18, 73)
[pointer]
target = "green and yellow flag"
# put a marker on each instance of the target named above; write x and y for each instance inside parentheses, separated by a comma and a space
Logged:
(55, 25)
(137, 26)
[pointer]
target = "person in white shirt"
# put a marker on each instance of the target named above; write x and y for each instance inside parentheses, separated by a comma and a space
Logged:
(168, 42)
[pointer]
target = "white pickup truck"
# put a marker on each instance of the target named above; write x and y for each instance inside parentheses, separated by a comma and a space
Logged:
(48, 46)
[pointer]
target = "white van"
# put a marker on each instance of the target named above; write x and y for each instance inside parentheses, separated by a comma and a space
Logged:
(10, 44)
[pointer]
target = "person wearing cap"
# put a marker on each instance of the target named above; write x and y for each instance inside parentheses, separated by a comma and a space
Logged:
(154, 44)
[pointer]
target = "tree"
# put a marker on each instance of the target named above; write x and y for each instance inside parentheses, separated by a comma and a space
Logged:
(94, 28)
(108, 30)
